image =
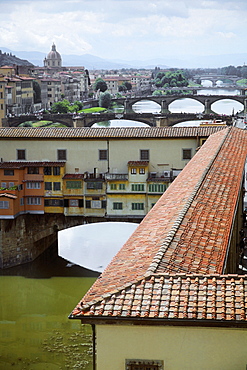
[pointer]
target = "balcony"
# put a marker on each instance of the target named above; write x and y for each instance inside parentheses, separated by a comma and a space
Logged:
(116, 176)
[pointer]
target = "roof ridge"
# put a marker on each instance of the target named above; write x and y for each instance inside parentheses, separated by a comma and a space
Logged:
(176, 224)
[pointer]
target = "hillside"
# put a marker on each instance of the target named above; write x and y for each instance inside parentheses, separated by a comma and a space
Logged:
(7, 59)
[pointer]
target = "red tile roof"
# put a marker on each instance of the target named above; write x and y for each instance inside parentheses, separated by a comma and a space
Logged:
(138, 163)
(174, 297)
(189, 228)
(74, 176)
(23, 164)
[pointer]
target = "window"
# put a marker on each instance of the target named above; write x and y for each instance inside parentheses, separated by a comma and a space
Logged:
(144, 365)
(88, 203)
(133, 171)
(187, 153)
(113, 186)
(137, 206)
(4, 204)
(11, 184)
(96, 204)
(103, 154)
(142, 171)
(3, 184)
(74, 203)
(53, 203)
(62, 154)
(8, 172)
(94, 185)
(156, 188)
(47, 171)
(33, 201)
(56, 186)
(144, 155)
(33, 170)
(33, 185)
(117, 205)
(22, 202)
(21, 154)
(73, 184)
(121, 186)
(48, 185)
(137, 187)
(56, 171)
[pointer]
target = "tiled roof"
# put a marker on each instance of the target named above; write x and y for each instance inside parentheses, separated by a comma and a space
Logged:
(114, 132)
(138, 163)
(171, 297)
(189, 228)
(74, 176)
(23, 164)
(7, 195)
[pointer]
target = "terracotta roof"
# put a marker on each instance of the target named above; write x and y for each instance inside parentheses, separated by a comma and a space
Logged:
(189, 228)
(138, 163)
(7, 195)
(174, 297)
(31, 164)
(114, 132)
(74, 176)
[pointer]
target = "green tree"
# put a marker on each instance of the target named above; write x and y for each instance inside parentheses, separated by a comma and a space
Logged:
(105, 100)
(100, 84)
(127, 85)
(122, 88)
(61, 107)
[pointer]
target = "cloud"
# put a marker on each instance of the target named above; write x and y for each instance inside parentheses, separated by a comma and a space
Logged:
(124, 28)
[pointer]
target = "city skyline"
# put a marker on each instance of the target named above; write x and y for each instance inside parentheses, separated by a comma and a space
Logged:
(125, 29)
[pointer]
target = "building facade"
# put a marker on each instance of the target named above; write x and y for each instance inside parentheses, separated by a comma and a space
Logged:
(89, 172)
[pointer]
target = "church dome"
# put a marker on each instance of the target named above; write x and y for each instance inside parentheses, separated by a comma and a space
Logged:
(54, 54)
(53, 59)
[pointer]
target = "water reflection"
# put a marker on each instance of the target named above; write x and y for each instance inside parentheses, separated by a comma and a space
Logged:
(36, 299)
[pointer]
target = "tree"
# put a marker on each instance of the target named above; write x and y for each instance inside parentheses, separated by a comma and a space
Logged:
(100, 84)
(105, 100)
(127, 85)
(60, 107)
(122, 88)
(37, 92)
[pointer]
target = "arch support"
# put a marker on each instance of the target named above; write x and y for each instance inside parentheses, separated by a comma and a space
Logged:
(128, 107)
(207, 107)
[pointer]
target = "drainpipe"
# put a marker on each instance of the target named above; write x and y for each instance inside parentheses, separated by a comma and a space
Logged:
(94, 346)
(108, 157)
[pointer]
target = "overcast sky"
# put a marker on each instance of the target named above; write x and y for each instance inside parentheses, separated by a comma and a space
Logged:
(125, 29)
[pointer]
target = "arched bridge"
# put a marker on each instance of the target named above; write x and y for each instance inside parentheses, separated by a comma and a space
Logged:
(87, 120)
(165, 100)
(216, 77)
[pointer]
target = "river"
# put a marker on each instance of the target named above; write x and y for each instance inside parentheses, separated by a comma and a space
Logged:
(36, 299)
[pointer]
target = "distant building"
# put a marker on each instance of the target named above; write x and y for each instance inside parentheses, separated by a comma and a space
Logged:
(53, 60)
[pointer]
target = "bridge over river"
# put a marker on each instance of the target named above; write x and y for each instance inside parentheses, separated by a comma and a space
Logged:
(163, 118)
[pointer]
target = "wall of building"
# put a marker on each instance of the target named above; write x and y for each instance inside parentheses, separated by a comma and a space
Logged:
(187, 348)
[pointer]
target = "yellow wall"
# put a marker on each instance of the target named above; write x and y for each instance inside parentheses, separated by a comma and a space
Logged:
(181, 348)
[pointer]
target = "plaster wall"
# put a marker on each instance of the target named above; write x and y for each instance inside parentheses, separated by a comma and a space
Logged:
(180, 348)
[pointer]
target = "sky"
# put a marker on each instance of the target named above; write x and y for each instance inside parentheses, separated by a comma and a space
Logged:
(125, 29)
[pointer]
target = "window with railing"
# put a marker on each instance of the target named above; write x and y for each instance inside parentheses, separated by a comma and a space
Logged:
(156, 188)
(137, 187)
(137, 206)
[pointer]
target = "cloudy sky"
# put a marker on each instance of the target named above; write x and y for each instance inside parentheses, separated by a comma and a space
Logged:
(125, 29)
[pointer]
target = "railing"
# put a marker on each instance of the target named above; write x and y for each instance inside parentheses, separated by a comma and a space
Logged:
(116, 176)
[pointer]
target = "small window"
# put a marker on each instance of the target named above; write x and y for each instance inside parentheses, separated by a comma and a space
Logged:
(121, 186)
(142, 171)
(4, 204)
(53, 203)
(137, 206)
(117, 205)
(3, 184)
(133, 171)
(33, 185)
(62, 154)
(113, 186)
(22, 202)
(48, 185)
(102, 154)
(8, 172)
(187, 153)
(144, 365)
(137, 187)
(74, 203)
(94, 185)
(21, 154)
(144, 155)
(33, 201)
(33, 170)
(73, 184)
(56, 186)
(47, 171)
(56, 171)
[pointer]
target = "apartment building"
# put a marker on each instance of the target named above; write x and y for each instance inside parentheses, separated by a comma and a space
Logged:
(110, 173)
(50, 91)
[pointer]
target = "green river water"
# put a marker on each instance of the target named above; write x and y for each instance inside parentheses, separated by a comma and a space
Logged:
(35, 301)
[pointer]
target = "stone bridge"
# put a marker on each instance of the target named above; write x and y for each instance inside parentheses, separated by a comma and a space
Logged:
(165, 100)
(216, 77)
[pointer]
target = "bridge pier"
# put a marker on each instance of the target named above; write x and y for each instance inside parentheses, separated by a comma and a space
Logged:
(245, 106)
(128, 107)
(164, 107)
(207, 107)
